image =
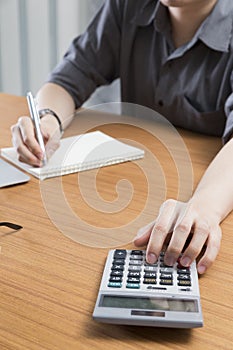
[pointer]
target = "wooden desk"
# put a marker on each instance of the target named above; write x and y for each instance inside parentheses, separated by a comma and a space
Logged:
(49, 283)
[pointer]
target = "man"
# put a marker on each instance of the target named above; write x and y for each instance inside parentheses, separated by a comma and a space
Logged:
(174, 56)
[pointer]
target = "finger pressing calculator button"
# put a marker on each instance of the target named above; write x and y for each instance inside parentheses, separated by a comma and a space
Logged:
(153, 265)
(162, 264)
(179, 265)
(120, 254)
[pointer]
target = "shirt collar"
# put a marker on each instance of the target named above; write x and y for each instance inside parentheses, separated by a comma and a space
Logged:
(147, 13)
(154, 11)
(215, 31)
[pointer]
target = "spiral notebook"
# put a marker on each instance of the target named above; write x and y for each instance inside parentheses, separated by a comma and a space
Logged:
(79, 153)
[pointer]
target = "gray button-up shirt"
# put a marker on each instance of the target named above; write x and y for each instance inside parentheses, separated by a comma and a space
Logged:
(131, 39)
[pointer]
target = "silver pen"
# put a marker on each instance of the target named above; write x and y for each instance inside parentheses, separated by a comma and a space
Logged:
(36, 122)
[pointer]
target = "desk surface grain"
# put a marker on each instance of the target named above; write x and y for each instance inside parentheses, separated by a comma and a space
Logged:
(49, 282)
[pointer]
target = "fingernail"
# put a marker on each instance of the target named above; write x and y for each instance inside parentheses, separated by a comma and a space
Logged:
(36, 162)
(151, 258)
(39, 155)
(170, 261)
(185, 261)
(201, 269)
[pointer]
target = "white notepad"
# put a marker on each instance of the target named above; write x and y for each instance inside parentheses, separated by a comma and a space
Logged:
(79, 153)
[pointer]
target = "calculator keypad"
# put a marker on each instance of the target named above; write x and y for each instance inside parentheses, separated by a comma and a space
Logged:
(132, 271)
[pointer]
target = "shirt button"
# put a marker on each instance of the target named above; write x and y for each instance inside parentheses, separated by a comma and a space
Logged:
(160, 102)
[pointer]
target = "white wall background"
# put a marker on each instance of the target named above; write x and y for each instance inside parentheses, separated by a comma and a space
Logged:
(34, 35)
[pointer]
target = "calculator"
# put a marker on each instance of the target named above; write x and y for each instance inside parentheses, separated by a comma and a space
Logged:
(133, 292)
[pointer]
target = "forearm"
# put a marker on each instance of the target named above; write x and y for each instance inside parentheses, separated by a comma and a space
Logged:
(201, 215)
(56, 98)
(215, 189)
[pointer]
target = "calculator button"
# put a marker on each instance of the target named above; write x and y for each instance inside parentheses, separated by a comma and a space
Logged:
(134, 268)
(136, 252)
(117, 267)
(154, 265)
(134, 274)
(133, 285)
(135, 262)
(150, 268)
(120, 254)
(114, 284)
(166, 270)
(149, 281)
(162, 264)
(181, 267)
(166, 276)
(184, 283)
(119, 261)
(166, 282)
(136, 257)
(115, 279)
(133, 280)
(184, 270)
(116, 273)
(150, 275)
(184, 277)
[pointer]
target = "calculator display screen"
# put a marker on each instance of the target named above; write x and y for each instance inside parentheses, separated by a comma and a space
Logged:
(166, 304)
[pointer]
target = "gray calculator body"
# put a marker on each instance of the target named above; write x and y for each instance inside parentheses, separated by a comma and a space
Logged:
(133, 292)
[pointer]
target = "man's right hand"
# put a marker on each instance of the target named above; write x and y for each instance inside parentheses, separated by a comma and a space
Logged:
(26, 144)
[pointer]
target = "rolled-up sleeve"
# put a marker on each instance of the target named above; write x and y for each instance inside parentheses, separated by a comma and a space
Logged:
(93, 57)
(228, 131)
